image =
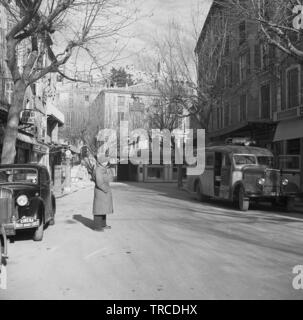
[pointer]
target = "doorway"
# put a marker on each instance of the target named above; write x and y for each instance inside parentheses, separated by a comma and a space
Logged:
(217, 173)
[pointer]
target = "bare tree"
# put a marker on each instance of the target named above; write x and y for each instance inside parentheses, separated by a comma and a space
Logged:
(79, 26)
(280, 21)
(187, 79)
(188, 76)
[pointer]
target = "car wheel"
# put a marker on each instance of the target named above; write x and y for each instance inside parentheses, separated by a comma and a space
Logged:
(290, 204)
(243, 202)
(38, 233)
(52, 220)
(274, 203)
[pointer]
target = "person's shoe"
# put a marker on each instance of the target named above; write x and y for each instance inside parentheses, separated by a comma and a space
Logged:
(107, 227)
(99, 230)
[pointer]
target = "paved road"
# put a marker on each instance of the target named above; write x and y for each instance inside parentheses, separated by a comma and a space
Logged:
(163, 245)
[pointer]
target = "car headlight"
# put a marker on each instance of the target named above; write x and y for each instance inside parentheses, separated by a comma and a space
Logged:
(22, 200)
(285, 182)
(261, 181)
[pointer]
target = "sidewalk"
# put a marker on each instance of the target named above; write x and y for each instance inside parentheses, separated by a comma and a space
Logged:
(76, 186)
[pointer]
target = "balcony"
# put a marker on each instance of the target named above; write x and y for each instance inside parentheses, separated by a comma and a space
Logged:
(288, 114)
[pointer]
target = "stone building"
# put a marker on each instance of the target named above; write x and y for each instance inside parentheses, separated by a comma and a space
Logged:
(73, 100)
(40, 118)
(131, 105)
(261, 94)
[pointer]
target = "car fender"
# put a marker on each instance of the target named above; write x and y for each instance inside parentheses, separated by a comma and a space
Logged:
(36, 204)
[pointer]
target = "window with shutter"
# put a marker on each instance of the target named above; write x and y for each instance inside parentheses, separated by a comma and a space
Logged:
(293, 99)
(248, 62)
(121, 101)
(226, 115)
(230, 74)
(9, 88)
(218, 118)
(244, 66)
(265, 56)
(242, 32)
(257, 57)
(243, 107)
(265, 101)
(236, 72)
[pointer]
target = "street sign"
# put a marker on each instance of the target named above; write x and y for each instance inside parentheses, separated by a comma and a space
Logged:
(27, 117)
(39, 148)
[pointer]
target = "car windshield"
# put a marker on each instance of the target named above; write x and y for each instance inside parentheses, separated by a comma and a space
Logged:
(266, 161)
(18, 176)
(244, 159)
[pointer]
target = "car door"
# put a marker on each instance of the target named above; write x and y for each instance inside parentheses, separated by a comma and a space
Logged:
(45, 192)
(225, 177)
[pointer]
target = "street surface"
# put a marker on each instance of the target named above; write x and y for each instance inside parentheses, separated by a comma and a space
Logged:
(163, 245)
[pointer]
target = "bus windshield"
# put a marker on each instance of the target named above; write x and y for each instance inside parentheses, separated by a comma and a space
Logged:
(266, 161)
(244, 159)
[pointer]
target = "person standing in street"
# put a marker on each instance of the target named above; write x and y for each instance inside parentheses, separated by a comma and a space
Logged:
(103, 200)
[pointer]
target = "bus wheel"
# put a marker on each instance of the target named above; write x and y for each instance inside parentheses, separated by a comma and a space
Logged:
(243, 202)
(199, 195)
(290, 204)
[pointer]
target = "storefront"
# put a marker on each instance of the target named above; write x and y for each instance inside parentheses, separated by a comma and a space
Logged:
(23, 151)
(260, 131)
(288, 141)
(29, 150)
(40, 154)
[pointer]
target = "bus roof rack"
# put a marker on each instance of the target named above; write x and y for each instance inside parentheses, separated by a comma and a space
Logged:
(239, 141)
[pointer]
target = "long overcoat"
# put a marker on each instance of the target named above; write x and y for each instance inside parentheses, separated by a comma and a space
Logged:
(103, 200)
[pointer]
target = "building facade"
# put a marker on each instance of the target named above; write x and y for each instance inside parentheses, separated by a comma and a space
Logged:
(131, 105)
(73, 100)
(261, 92)
(40, 118)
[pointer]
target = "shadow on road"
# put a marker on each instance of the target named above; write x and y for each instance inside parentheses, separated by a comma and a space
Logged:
(85, 221)
(24, 235)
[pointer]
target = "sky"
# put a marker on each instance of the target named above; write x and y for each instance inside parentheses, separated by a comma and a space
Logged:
(156, 15)
(151, 24)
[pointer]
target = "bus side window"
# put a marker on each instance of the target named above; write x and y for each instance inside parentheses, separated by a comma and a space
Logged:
(209, 159)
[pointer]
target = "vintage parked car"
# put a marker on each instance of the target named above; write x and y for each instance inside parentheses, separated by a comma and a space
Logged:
(26, 199)
(241, 174)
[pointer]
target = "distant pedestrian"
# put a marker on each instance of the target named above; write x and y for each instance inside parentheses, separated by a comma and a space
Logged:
(103, 201)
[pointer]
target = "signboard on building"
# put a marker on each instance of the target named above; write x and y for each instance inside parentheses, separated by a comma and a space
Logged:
(28, 117)
(39, 148)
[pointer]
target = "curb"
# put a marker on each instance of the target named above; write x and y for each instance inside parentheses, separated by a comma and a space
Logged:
(69, 193)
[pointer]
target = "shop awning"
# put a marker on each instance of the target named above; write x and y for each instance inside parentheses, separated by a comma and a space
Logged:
(25, 138)
(288, 130)
(244, 125)
(36, 146)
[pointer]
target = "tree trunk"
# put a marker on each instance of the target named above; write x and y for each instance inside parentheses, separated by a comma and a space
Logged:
(11, 130)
